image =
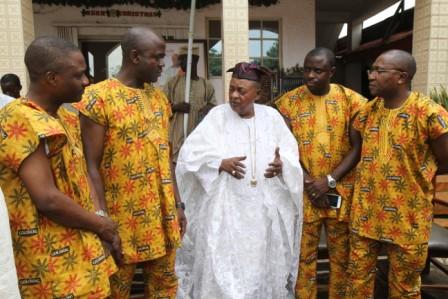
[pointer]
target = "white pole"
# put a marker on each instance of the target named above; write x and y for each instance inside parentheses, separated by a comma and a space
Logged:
(188, 75)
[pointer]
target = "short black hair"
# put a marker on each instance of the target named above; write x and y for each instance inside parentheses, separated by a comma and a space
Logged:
(12, 79)
(325, 52)
(45, 54)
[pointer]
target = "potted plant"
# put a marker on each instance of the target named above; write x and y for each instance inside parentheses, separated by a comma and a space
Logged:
(440, 95)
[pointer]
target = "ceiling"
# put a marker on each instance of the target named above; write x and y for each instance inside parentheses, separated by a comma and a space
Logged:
(345, 11)
(332, 14)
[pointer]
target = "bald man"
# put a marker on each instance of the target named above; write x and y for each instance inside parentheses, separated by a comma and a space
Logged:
(405, 143)
(55, 229)
(124, 128)
(320, 116)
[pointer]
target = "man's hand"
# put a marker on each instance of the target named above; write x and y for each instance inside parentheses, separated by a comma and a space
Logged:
(182, 221)
(275, 167)
(107, 229)
(181, 107)
(234, 167)
(109, 234)
(115, 250)
(317, 192)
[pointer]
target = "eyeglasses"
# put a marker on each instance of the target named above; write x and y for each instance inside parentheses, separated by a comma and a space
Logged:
(380, 71)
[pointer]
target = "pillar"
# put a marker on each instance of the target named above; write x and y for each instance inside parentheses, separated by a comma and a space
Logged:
(16, 33)
(430, 44)
(235, 33)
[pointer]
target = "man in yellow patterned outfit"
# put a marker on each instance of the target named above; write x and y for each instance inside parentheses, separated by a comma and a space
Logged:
(55, 230)
(320, 116)
(405, 143)
(124, 127)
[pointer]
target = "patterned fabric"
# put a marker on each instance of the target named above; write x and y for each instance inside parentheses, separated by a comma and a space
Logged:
(392, 200)
(52, 261)
(321, 127)
(136, 166)
(405, 265)
(160, 279)
(338, 250)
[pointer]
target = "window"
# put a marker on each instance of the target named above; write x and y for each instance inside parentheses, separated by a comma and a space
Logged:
(214, 46)
(264, 45)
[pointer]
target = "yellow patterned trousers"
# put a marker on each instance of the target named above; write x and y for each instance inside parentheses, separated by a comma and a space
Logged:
(337, 243)
(159, 278)
(405, 265)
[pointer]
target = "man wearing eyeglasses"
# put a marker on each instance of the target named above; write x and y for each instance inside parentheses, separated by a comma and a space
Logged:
(320, 116)
(405, 143)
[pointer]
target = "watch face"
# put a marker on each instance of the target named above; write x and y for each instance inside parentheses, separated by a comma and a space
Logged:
(332, 184)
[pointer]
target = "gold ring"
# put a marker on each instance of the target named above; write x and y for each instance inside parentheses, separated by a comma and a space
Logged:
(313, 194)
(233, 172)
(274, 173)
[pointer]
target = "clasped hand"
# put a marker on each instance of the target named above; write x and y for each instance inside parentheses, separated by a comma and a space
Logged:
(317, 191)
(183, 107)
(108, 233)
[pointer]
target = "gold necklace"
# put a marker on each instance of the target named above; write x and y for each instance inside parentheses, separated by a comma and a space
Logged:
(253, 153)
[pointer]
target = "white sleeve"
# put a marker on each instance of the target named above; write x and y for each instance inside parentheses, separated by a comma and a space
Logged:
(200, 156)
(8, 276)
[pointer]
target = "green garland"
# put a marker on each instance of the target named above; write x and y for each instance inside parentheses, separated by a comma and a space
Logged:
(161, 4)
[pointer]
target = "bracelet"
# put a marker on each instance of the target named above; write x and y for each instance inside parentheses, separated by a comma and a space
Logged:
(101, 213)
(181, 205)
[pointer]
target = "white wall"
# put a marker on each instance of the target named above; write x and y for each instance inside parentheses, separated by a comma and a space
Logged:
(297, 19)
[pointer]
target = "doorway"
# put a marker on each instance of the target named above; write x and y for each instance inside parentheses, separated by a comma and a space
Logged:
(103, 59)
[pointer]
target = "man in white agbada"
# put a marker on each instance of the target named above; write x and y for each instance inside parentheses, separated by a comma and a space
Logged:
(239, 175)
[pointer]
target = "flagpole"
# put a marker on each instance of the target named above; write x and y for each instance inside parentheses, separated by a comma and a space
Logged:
(189, 54)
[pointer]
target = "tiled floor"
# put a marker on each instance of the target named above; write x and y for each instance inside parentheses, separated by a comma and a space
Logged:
(435, 277)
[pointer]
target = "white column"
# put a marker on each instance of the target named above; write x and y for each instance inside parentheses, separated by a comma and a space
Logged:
(430, 44)
(16, 33)
(235, 36)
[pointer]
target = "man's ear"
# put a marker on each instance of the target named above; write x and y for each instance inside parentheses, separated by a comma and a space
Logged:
(332, 71)
(258, 97)
(134, 56)
(404, 78)
(51, 78)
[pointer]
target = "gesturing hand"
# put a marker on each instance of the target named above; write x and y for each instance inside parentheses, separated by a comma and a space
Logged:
(234, 167)
(275, 167)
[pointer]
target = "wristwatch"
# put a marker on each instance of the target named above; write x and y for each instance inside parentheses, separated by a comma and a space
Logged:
(331, 181)
(180, 205)
(101, 213)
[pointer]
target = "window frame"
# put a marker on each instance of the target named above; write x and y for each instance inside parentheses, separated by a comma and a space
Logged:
(261, 39)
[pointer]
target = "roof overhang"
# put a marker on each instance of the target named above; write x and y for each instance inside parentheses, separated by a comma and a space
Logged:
(162, 4)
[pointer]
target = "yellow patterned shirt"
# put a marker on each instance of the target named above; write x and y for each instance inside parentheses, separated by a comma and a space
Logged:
(393, 195)
(321, 127)
(136, 166)
(52, 261)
